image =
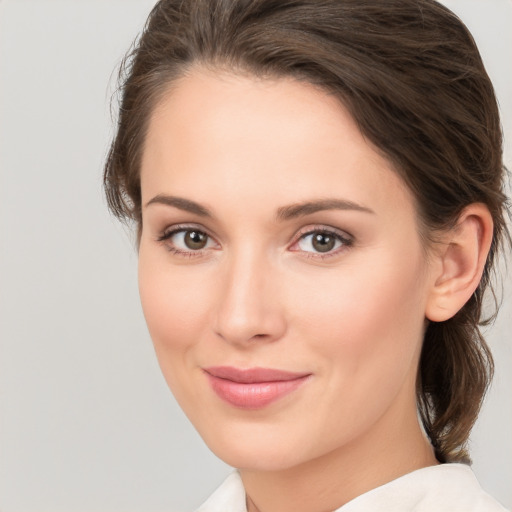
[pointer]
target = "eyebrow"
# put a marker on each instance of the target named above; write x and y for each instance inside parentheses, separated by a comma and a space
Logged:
(307, 208)
(182, 204)
(283, 213)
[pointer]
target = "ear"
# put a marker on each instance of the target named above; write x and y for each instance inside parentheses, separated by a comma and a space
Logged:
(459, 262)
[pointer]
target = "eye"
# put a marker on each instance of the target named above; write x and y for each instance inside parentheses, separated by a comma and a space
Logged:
(186, 241)
(194, 240)
(323, 242)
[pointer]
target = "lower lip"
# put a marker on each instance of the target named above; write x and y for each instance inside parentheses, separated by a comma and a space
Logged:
(253, 395)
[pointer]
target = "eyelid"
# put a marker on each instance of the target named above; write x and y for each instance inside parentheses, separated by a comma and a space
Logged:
(170, 231)
(176, 228)
(346, 239)
(323, 228)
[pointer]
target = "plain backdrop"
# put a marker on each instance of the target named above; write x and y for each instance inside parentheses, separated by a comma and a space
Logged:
(87, 423)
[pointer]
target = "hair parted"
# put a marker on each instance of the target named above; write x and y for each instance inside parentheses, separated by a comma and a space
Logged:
(411, 76)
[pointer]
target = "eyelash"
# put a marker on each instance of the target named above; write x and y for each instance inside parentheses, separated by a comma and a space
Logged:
(346, 241)
(167, 235)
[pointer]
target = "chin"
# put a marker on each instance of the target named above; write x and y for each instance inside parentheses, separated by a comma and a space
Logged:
(255, 448)
(253, 458)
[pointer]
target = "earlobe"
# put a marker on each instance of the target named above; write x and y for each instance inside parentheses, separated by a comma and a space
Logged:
(461, 262)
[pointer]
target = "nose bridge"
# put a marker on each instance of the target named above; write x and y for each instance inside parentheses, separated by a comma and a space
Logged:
(248, 307)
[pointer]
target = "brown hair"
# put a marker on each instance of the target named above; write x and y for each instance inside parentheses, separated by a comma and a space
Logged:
(411, 76)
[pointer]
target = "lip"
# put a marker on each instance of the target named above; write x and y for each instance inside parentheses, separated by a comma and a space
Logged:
(253, 388)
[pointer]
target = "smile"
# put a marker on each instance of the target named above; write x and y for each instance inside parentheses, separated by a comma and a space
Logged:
(253, 388)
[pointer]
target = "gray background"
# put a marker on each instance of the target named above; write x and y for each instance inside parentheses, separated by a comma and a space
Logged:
(86, 420)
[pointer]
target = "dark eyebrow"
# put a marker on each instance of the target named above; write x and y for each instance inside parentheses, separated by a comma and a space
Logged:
(307, 208)
(181, 203)
(283, 213)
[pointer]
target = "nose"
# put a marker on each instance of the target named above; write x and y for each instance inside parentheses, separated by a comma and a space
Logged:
(249, 308)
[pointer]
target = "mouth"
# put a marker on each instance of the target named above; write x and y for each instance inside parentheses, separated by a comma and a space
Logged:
(253, 388)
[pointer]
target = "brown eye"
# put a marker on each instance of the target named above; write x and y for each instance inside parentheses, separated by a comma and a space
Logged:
(323, 242)
(195, 240)
(190, 241)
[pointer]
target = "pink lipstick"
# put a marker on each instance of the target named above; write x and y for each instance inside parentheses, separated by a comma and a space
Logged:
(252, 388)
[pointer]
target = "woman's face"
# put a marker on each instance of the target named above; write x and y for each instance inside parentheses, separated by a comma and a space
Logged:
(281, 272)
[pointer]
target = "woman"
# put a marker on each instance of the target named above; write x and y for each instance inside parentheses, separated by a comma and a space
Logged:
(317, 187)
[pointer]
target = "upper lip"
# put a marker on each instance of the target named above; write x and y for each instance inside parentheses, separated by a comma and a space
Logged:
(252, 375)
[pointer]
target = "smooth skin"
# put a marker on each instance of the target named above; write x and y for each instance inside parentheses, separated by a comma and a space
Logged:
(342, 290)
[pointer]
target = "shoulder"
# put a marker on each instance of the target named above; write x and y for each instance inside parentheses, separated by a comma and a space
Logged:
(443, 488)
(230, 496)
(460, 489)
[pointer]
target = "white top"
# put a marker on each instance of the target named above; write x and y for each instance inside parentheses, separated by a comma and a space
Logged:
(443, 488)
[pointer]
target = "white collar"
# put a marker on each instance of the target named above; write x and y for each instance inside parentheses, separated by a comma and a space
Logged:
(442, 488)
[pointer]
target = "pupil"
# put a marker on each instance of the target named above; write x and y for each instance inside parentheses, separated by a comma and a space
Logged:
(323, 242)
(195, 239)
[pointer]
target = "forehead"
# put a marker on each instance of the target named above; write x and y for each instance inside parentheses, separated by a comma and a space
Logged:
(214, 134)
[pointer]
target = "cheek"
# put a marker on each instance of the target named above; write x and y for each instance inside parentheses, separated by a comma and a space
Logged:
(362, 326)
(175, 306)
(367, 316)
(174, 302)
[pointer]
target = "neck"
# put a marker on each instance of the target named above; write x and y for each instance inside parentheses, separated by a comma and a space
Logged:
(394, 447)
